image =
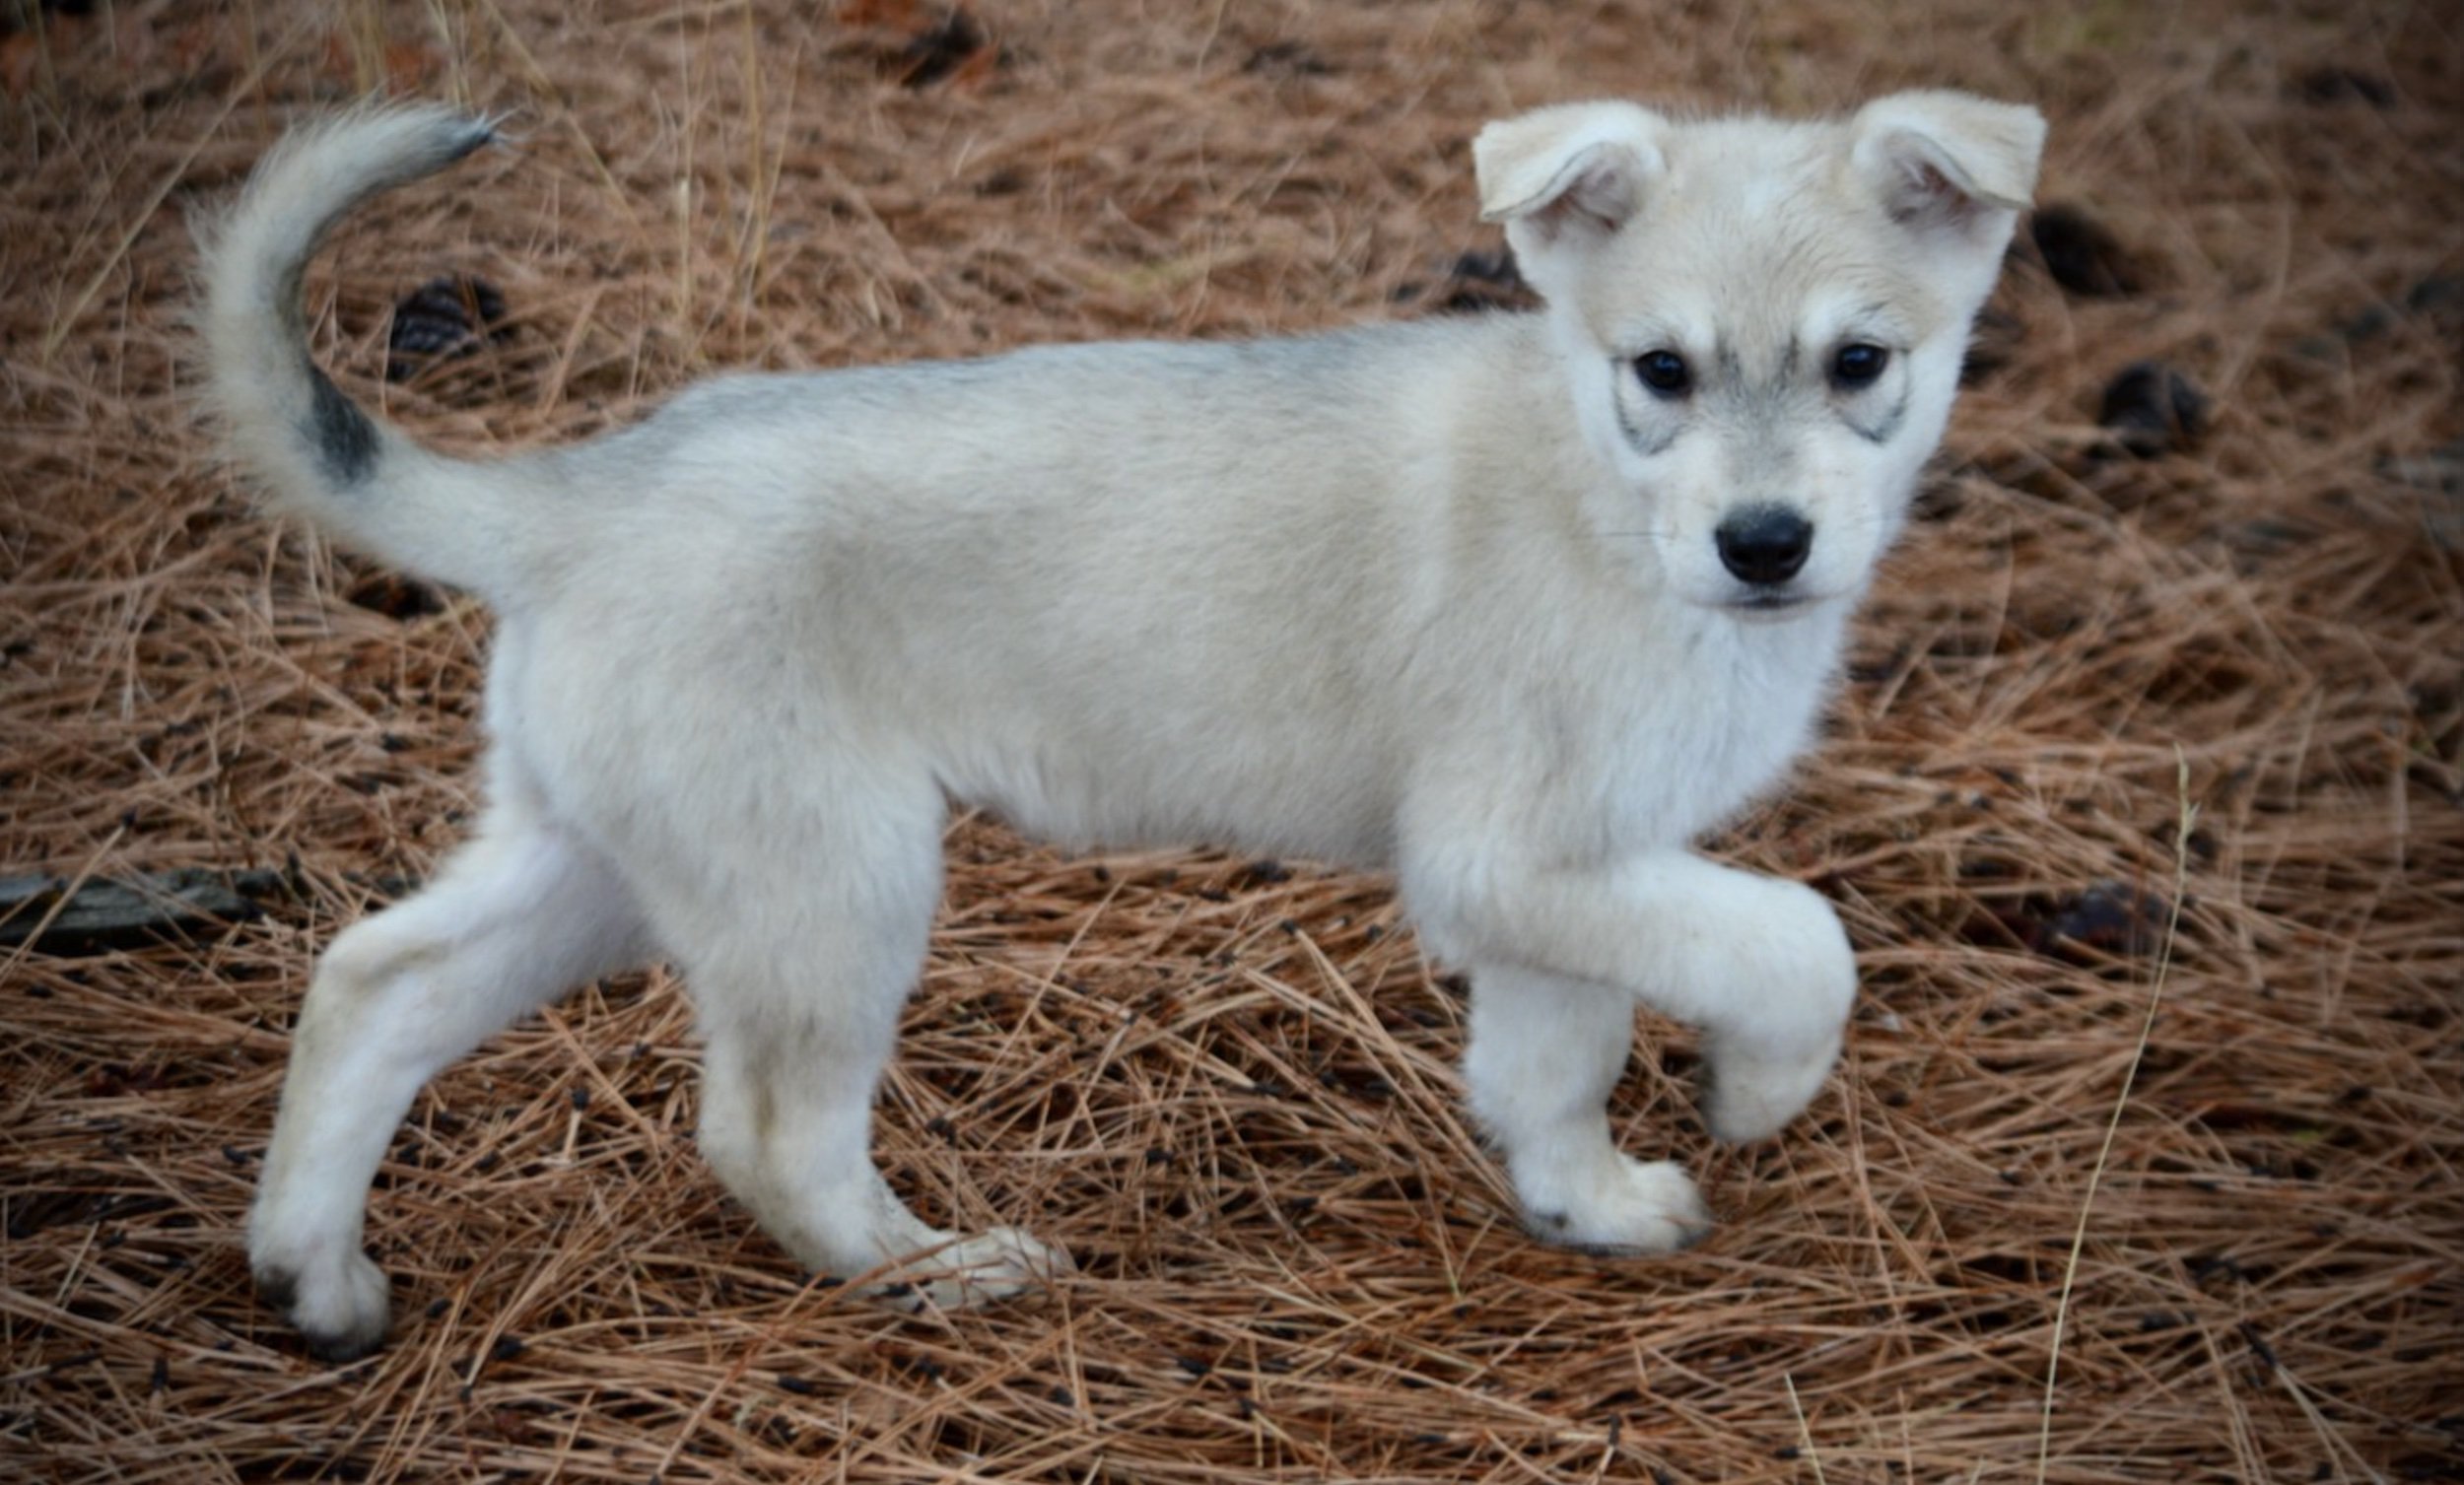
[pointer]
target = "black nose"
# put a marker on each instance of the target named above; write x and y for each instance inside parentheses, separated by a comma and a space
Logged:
(1765, 544)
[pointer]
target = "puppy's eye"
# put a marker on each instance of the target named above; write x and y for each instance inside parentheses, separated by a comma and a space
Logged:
(1664, 372)
(1858, 364)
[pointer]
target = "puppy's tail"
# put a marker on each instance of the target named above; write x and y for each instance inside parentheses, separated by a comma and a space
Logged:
(318, 453)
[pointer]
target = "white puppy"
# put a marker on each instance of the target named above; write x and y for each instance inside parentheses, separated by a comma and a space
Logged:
(1514, 606)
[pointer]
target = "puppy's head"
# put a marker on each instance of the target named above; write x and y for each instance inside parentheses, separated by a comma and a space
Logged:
(1761, 323)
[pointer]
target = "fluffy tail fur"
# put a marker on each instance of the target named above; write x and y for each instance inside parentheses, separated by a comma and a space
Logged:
(319, 456)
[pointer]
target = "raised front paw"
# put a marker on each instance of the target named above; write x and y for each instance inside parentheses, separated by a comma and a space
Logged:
(1747, 1098)
(1625, 1207)
(1768, 1056)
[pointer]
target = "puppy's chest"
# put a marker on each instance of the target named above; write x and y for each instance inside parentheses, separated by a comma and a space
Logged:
(1689, 746)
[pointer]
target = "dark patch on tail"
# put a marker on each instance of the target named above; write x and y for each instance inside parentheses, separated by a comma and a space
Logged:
(344, 438)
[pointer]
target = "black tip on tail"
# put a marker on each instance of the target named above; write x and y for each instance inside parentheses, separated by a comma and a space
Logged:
(481, 133)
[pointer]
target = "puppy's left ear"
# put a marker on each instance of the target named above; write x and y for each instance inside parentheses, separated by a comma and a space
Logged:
(1948, 160)
(1564, 179)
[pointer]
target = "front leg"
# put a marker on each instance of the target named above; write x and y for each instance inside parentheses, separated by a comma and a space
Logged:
(1762, 966)
(1544, 1054)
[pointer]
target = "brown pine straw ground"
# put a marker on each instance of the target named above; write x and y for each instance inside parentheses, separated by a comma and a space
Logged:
(2012, 1241)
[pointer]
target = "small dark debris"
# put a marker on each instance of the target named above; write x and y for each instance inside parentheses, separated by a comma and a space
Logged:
(957, 45)
(1872, 671)
(1264, 873)
(2113, 918)
(17, 16)
(1480, 282)
(508, 1347)
(1194, 1365)
(2152, 409)
(2342, 84)
(581, 1098)
(800, 1387)
(1287, 59)
(2366, 323)
(116, 1079)
(161, 1379)
(389, 888)
(2081, 254)
(2203, 1266)
(1994, 341)
(236, 1155)
(1062, 1397)
(443, 319)
(439, 1306)
(100, 915)
(2439, 294)
(395, 597)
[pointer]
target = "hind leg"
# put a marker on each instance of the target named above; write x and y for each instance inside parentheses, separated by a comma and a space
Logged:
(799, 977)
(518, 916)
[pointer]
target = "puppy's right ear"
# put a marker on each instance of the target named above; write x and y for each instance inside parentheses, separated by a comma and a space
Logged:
(1569, 174)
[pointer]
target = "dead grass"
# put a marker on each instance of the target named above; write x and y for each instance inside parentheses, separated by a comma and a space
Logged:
(1227, 1088)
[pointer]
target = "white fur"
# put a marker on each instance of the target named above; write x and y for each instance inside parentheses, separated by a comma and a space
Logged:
(1442, 598)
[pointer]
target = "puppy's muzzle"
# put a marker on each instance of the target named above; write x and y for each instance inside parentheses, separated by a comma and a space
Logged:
(1764, 545)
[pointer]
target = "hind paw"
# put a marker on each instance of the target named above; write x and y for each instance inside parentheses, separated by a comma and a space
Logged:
(338, 1306)
(996, 1264)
